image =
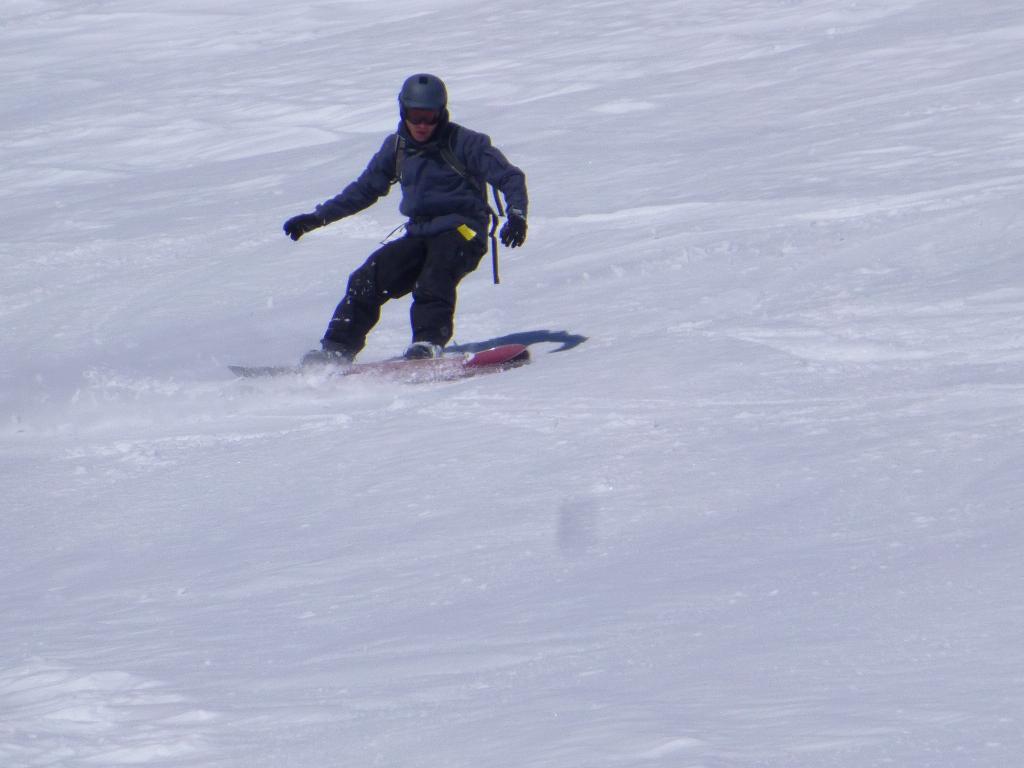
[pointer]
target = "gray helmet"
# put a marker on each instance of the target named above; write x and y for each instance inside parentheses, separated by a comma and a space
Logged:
(423, 92)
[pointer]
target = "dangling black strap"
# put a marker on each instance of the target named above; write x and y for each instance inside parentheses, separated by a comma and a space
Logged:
(391, 234)
(494, 237)
(494, 251)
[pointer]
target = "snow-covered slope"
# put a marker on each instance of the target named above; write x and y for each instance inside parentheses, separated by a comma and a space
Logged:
(756, 502)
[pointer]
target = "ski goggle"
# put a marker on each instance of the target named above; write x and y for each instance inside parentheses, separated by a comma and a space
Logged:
(418, 116)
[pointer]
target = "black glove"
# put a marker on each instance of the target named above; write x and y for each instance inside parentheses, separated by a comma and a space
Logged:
(299, 225)
(513, 234)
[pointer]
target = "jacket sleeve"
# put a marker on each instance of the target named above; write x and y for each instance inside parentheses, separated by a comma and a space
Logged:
(373, 183)
(486, 161)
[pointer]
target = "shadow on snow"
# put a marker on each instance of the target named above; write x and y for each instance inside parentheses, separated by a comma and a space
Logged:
(566, 339)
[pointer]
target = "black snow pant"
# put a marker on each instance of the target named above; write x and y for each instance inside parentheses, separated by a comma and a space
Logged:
(429, 267)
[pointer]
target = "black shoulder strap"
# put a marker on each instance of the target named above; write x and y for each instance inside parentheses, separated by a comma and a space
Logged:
(399, 156)
(448, 153)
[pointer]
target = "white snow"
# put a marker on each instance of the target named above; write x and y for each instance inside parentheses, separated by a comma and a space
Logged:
(756, 502)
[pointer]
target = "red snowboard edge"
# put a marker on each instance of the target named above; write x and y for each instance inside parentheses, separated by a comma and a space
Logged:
(506, 355)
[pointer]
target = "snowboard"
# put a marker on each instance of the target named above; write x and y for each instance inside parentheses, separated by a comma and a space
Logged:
(446, 368)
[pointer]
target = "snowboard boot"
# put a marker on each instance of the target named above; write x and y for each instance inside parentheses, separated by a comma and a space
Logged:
(330, 354)
(423, 350)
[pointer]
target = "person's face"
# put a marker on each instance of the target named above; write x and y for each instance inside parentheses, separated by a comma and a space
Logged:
(421, 123)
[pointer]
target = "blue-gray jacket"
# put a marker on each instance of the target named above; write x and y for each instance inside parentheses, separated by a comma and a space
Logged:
(435, 196)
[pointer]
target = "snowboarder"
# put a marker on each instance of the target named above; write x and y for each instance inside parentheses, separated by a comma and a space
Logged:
(443, 169)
